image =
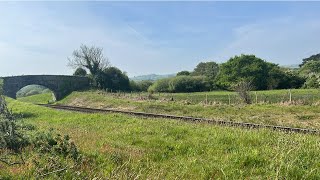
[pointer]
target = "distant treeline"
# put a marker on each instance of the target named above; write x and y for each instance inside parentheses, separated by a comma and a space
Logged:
(206, 76)
(261, 74)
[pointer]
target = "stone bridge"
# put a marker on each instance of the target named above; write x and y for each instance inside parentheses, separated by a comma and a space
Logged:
(60, 85)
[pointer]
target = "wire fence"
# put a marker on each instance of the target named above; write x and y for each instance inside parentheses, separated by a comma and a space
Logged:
(296, 96)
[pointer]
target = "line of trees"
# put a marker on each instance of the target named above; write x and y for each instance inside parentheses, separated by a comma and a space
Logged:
(261, 74)
(206, 76)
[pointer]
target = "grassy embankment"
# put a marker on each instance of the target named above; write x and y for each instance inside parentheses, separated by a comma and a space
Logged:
(124, 146)
(297, 115)
(301, 96)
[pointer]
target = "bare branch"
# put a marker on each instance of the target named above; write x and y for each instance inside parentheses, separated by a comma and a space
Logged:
(243, 88)
(90, 58)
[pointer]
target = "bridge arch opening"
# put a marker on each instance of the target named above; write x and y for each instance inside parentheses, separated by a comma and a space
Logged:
(36, 93)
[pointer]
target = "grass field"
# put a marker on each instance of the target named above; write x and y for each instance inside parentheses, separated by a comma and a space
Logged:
(305, 96)
(285, 114)
(38, 98)
(125, 147)
(299, 115)
(302, 96)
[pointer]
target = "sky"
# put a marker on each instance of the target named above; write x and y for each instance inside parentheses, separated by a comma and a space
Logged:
(154, 37)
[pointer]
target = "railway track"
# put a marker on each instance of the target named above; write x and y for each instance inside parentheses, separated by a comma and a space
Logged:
(186, 118)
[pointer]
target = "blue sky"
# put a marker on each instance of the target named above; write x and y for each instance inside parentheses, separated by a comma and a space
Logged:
(154, 37)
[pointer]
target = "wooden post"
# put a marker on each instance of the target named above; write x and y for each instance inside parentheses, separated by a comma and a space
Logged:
(229, 99)
(206, 98)
(290, 96)
(256, 97)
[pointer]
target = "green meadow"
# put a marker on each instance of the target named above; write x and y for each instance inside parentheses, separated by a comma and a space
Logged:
(118, 146)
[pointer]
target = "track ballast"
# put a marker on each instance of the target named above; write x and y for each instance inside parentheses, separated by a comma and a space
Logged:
(186, 118)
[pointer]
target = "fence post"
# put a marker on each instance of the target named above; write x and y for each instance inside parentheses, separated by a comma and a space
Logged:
(290, 96)
(256, 97)
(206, 98)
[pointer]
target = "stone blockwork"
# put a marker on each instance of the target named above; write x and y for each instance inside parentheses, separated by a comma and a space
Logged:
(59, 85)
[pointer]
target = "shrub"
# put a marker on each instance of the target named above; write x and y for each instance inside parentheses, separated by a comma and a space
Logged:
(80, 72)
(181, 84)
(313, 81)
(140, 86)
(11, 137)
(162, 85)
(183, 73)
(262, 74)
(243, 88)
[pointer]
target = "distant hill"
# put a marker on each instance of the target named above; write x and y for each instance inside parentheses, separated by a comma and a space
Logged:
(291, 66)
(151, 77)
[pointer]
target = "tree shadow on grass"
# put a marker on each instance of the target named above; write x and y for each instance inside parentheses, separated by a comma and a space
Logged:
(24, 115)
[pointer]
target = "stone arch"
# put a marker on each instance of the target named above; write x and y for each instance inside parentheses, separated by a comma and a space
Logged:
(59, 85)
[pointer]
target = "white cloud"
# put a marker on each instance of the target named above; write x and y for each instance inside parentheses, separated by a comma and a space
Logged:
(283, 41)
(38, 41)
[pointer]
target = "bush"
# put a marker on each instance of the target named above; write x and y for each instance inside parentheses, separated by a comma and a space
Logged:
(181, 84)
(243, 88)
(140, 86)
(262, 74)
(80, 72)
(111, 78)
(313, 81)
(183, 73)
(55, 144)
(11, 137)
(161, 85)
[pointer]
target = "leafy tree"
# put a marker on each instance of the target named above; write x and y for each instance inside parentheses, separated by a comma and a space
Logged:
(208, 69)
(262, 75)
(245, 68)
(80, 72)
(189, 84)
(140, 85)
(310, 67)
(181, 84)
(1, 86)
(291, 79)
(112, 78)
(282, 78)
(183, 73)
(315, 57)
(161, 85)
(311, 72)
(90, 58)
(313, 81)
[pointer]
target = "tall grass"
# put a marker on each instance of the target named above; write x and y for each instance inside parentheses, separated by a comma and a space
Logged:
(122, 146)
(286, 114)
